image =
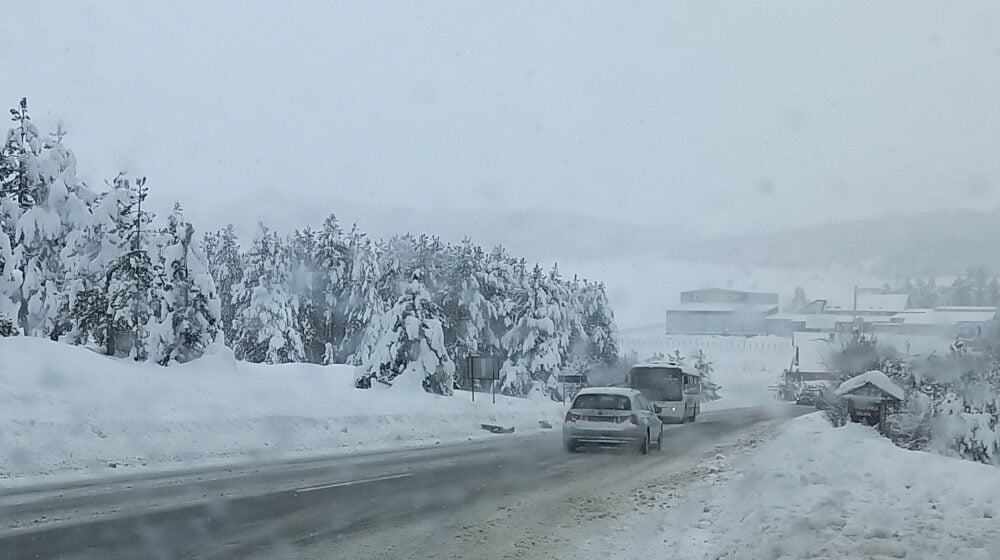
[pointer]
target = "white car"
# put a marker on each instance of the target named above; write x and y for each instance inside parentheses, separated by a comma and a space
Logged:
(612, 416)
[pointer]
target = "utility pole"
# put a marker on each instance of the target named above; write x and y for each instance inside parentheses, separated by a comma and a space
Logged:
(855, 317)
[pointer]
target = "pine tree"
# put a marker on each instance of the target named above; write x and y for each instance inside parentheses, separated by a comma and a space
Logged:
(800, 300)
(303, 287)
(47, 234)
(709, 390)
(18, 164)
(961, 291)
(410, 348)
(469, 311)
(10, 285)
(599, 324)
(265, 315)
(534, 345)
(992, 297)
(131, 282)
(363, 306)
(333, 260)
(192, 306)
(225, 264)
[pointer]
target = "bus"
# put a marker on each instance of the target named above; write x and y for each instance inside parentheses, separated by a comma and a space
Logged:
(674, 387)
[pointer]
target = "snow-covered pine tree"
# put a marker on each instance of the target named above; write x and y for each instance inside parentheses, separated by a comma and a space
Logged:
(363, 307)
(132, 279)
(502, 290)
(533, 345)
(709, 389)
(193, 309)
(332, 261)
(599, 324)
(265, 315)
(225, 264)
(10, 284)
(410, 350)
(303, 289)
(47, 234)
(469, 312)
(18, 164)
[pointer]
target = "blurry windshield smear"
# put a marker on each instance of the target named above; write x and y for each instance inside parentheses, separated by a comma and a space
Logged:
(499, 280)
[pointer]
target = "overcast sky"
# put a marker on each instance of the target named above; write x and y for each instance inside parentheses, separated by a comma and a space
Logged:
(718, 117)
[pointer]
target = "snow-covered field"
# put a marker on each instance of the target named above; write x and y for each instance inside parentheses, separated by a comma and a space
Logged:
(819, 492)
(66, 410)
(744, 367)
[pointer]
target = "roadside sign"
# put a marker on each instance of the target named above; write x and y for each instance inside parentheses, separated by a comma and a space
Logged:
(572, 378)
(484, 368)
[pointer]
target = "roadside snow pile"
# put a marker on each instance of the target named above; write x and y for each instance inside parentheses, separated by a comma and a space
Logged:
(66, 409)
(822, 492)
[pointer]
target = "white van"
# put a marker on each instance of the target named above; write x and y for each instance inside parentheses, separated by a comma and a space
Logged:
(673, 387)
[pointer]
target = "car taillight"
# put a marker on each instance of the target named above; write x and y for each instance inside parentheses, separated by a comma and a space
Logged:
(634, 420)
(570, 417)
(621, 419)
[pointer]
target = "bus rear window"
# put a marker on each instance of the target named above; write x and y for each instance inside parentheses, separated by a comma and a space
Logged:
(603, 402)
(658, 384)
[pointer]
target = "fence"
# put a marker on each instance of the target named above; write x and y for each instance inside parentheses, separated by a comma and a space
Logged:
(686, 344)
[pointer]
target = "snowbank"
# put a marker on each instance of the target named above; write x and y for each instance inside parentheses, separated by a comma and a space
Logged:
(821, 492)
(66, 409)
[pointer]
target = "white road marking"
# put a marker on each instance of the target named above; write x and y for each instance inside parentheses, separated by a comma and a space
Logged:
(352, 482)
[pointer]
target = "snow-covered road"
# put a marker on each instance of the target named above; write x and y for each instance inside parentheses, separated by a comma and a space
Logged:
(508, 497)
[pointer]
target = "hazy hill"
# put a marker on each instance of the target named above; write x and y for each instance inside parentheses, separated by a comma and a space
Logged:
(940, 243)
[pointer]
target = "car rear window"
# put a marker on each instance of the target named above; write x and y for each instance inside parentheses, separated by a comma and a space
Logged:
(603, 402)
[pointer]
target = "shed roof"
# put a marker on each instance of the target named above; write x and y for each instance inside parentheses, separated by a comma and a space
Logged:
(873, 377)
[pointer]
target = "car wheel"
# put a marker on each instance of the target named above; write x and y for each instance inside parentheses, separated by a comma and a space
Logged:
(684, 417)
(571, 446)
(644, 446)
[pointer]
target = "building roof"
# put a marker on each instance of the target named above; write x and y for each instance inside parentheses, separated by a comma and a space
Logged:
(710, 307)
(875, 303)
(810, 320)
(873, 377)
(947, 316)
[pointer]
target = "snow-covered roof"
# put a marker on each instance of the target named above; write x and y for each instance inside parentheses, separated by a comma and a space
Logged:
(873, 377)
(622, 391)
(872, 303)
(811, 320)
(725, 307)
(950, 316)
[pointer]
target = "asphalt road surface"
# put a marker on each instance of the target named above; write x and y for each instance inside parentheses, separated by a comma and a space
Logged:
(413, 503)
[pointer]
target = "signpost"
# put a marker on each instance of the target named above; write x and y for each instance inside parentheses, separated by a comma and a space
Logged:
(577, 379)
(483, 368)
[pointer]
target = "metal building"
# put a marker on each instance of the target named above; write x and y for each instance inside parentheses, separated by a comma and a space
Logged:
(719, 311)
